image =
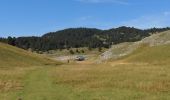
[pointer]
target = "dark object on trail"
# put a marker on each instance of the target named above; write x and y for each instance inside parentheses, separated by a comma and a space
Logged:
(80, 58)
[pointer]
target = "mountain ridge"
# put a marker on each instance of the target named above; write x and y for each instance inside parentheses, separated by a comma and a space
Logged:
(81, 37)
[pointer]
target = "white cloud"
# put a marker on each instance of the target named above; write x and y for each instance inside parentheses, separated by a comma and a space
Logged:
(148, 21)
(105, 1)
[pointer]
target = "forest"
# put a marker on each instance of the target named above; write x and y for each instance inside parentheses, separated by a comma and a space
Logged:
(81, 37)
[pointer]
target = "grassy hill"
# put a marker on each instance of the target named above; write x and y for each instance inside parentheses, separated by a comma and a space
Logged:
(15, 65)
(151, 45)
(154, 49)
(15, 57)
(141, 75)
(155, 55)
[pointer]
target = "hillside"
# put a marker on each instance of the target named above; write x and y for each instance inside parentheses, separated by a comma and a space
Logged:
(15, 57)
(155, 49)
(154, 55)
(140, 73)
(159, 41)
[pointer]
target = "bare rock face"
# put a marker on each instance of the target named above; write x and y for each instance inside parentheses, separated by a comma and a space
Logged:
(117, 51)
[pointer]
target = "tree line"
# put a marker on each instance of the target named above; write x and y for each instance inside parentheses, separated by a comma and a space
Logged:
(81, 37)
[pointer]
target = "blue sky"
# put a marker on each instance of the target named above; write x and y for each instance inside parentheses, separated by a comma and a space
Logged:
(37, 17)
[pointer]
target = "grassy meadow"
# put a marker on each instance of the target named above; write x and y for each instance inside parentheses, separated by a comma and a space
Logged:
(143, 75)
(15, 65)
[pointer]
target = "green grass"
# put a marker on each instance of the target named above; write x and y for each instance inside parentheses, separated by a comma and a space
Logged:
(94, 82)
(115, 81)
(154, 55)
(143, 75)
(15, 64)
(14, 57)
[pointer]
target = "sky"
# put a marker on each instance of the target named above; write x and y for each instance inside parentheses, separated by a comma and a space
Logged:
(37, 17)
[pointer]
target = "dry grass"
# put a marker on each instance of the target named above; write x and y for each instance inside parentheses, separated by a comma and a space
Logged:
(155, 55)
(143, 75)
(15, 64)
(14, 57)
(142, 79)
(87, 81)
(11, 78)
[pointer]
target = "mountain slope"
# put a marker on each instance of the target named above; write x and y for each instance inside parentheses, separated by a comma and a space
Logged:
(154, 44)
(11, 56)
(154, 49)
(155, 55)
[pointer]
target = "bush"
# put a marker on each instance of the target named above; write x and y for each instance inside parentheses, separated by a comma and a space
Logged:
(71, 52)
(77, 50)
(82, 51)
(100, 49)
